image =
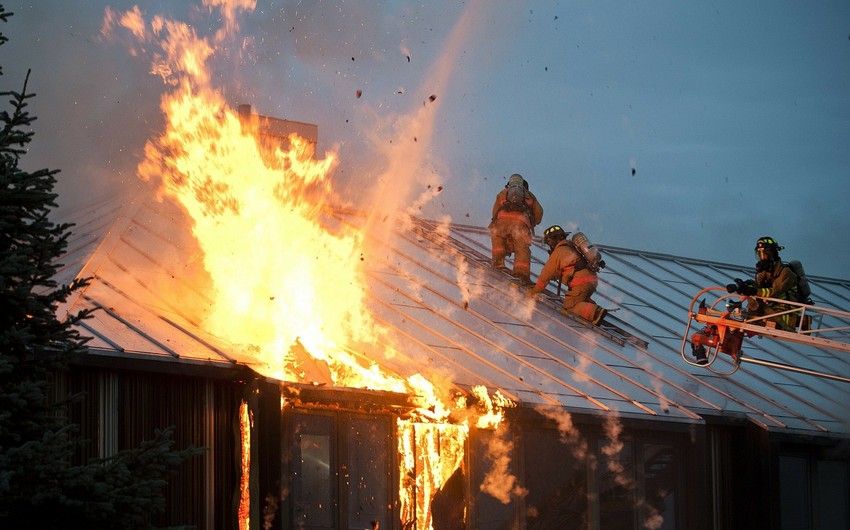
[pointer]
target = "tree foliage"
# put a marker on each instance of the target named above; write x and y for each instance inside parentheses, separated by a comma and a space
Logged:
(40, 487)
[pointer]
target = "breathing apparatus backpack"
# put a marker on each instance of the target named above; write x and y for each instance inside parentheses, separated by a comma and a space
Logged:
(515, 199)
(585, 248)
(804, 292)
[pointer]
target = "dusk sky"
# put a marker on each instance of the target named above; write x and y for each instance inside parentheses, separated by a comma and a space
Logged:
(683, 127)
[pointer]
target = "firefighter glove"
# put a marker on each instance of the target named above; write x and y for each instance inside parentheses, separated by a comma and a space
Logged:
(745, 288)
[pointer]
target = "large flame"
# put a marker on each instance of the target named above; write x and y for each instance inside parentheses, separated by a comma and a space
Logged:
(283, 282)
(285, 286)
(288, 283)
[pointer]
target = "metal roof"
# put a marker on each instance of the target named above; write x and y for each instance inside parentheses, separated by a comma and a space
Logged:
(452, 315)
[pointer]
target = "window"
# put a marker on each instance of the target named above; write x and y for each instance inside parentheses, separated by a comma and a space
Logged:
(314, 470)
(832, 494)
(557, 483)
(368, 478)
(340, 471)
(794, 493)
(615, 475)
(659, 486)
(491, 513)
(637, 485)
(628, 481)
(813, 493)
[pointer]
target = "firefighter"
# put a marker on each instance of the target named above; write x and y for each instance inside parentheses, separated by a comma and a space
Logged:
(516, 211)
(567, 264)
(773, 279)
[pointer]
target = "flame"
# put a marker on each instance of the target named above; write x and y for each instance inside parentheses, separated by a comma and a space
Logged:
(492, 407)
(272, 264)
(283, 283)
(246, 423)
(428, 455)
(287, 283)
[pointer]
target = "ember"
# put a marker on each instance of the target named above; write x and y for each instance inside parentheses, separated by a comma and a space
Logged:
(284, 285)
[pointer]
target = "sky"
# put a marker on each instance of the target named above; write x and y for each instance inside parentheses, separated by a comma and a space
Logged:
(676, 126)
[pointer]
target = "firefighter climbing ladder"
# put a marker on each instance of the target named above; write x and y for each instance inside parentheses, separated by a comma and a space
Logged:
(726, 324)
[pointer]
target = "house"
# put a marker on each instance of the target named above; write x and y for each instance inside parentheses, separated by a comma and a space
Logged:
(605, 427)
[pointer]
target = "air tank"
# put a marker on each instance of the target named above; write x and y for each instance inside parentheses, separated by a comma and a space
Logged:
(803, 289)
(586, 248)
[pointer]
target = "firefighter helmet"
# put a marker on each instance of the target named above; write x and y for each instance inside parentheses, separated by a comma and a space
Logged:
(553, 235)
(767, 248)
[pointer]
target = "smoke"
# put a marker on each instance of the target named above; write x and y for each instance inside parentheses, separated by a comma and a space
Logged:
(646, 363)
(270, 509)
(652, 519)
(613, 448)
(581, 368)
(403, 174)
(409, 168)
(499, 482)
(569, 433)
(469, 288)
(523, 308)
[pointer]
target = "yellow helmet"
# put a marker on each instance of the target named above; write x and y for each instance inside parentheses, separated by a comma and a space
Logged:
(553, 235)
(767, 247)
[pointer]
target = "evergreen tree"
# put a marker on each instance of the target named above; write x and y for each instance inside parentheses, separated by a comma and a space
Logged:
(39, 485)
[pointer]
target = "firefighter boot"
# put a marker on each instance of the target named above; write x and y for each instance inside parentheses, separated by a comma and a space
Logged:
(600, 314)
(699, 354)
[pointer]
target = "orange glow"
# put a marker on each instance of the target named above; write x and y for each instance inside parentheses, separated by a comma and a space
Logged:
(283, 283)
(491, 408)
(428, 454)
(287, 286)
(246, 423)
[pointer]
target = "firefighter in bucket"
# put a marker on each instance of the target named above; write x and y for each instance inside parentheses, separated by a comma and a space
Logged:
(774, 279)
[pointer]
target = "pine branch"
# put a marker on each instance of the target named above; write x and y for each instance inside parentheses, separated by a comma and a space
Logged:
(40, 485)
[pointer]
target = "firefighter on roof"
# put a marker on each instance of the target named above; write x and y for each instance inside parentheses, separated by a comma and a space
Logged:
(568, 263)
(516, 212)
(773, 279)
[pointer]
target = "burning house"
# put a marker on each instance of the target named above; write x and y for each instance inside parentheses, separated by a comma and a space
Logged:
(351, 369)
(448, 391)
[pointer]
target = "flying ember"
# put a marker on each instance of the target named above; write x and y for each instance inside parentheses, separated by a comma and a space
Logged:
(287, 281)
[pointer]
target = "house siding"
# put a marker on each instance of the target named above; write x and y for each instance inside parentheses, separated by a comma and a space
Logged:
(122, 408)
(711, 476)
